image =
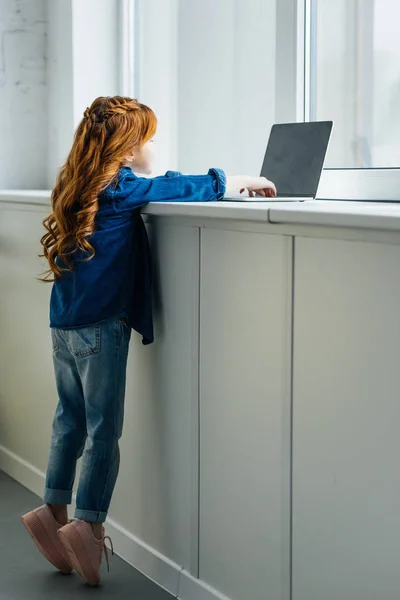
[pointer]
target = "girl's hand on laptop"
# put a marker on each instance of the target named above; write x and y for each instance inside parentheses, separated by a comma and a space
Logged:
(260, 186)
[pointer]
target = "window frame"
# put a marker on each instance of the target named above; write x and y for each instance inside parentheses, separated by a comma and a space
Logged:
(138, 29)
(128, 39)
(294, 98)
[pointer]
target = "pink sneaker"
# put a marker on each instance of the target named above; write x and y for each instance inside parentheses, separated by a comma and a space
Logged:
(84, 549)
(42, 526)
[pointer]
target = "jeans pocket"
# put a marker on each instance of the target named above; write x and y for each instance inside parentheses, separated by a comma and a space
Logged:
(84, 341)
(122, 331)
(125, 327)
(54, 340)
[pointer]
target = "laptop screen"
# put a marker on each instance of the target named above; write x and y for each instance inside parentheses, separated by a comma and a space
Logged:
(295, 157)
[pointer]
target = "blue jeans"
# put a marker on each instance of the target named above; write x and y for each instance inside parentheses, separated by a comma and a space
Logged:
(90, 369)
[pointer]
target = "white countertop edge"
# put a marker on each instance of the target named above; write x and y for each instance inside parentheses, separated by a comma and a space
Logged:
(365, 215)
(246, 211)
(26, 196)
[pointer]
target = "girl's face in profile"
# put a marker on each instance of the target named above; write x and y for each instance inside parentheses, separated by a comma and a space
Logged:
(142, 159)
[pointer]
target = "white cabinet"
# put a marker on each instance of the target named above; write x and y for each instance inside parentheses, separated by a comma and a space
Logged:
(229, 463)
(245, 300)
(346, 407)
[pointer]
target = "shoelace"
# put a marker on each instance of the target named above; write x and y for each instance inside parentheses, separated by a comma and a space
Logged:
(105, 549)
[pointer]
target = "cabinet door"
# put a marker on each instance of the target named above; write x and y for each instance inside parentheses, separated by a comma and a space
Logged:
(157, 490)
(346, 444)
(244, 413)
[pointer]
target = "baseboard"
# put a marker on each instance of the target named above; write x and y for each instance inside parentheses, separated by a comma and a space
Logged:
(191, 588)
(144, 558)
(19, 469)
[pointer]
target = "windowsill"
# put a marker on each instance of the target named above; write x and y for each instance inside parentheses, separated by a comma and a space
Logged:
(364, 215)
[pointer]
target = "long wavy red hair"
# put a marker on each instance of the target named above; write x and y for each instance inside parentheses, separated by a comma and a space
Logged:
(109, 132)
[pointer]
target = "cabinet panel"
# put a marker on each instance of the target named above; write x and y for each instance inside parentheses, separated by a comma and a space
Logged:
(245, 414)
(157, 490)
(346, 444)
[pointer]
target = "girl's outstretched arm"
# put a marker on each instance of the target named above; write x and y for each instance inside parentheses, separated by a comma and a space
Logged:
(132, 192)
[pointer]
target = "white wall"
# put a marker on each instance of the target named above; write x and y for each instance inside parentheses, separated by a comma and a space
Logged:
(83, 64)
(95, 48)
(60, 85)
(26, 369)
(23, 94)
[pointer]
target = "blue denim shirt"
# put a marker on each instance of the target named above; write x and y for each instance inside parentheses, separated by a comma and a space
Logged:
(117, 280)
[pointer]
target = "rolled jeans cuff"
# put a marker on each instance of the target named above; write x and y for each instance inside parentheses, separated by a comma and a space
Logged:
(93, 516)
(57, 496)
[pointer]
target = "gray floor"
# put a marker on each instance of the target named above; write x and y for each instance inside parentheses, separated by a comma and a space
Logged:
(26, 575)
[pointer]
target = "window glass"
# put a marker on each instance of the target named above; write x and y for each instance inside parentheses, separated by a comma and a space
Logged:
(355, 80)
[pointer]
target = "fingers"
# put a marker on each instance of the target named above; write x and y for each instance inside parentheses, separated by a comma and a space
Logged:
(270, 187)
(263, 187)
(266, 190)
(266, 193)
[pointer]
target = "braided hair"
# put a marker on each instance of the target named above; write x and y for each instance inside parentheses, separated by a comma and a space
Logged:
(109, 131)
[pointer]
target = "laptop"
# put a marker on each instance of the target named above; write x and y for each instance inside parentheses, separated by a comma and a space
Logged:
(294, 160)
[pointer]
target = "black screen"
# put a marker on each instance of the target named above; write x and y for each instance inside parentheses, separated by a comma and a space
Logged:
(295, 157)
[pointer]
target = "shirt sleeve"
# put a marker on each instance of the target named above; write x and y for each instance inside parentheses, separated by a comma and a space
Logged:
(171, 187)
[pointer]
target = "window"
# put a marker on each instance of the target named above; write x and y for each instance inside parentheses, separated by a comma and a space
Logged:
(226, 73)
(355, 79)
(219, 73)
(208, 69)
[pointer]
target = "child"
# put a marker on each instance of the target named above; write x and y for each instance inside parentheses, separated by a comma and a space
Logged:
(97, 250)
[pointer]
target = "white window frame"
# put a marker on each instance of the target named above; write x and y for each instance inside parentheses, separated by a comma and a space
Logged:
(141, 35)
(294, 103)
(128, 36)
